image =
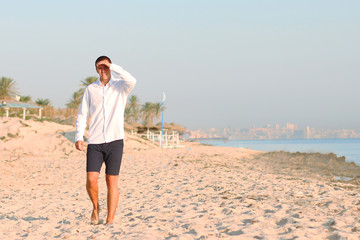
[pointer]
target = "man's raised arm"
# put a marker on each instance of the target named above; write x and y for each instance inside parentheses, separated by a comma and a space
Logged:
(128, 79)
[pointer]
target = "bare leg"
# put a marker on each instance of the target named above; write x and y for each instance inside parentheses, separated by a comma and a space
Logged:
(112, 197)
(93, 191)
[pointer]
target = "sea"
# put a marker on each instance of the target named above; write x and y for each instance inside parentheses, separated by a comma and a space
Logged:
(347, 147)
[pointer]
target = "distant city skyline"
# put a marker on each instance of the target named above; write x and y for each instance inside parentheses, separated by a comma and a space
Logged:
(268, 132)
(220, 63)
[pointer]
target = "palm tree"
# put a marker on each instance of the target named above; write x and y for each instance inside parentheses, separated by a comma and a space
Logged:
(25, 99)
(46, 104)
(43, 102)
(127, 113)
(135, 114)
(87, 82)
(8, 88)
(75, 101)
(157, 110)
(133, 109)
(147, 109)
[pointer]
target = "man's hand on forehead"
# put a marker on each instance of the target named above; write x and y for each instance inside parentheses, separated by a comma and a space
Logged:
(103, 62)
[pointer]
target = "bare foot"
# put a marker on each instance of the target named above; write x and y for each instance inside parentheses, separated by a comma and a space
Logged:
(109, 222)
(94, 220)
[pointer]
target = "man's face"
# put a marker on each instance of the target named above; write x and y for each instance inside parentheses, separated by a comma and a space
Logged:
(103, 70)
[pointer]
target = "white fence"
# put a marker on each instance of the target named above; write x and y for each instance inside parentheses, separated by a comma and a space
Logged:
(170, 139)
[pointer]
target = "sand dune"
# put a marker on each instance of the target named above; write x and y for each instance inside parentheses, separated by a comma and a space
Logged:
(197, 192)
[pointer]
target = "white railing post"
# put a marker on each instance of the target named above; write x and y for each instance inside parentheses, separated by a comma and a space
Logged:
(166, 138)
(160, 136)
(24, 113)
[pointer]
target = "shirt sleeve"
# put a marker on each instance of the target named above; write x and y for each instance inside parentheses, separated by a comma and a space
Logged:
(82, 117)
(128, 80)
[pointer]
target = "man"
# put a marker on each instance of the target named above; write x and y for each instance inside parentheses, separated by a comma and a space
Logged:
(104, 101)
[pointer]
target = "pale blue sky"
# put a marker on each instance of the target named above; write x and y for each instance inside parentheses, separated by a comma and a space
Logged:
(221, 63)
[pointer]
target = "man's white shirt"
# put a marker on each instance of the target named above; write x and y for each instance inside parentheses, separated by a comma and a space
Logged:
(105, 105)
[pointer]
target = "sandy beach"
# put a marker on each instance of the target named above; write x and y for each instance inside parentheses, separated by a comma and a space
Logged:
(194, 192)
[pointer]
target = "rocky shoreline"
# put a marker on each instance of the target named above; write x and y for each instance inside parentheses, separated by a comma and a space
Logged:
(319, 165)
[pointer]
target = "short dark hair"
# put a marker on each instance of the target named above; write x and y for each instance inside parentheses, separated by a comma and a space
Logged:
(102, 58)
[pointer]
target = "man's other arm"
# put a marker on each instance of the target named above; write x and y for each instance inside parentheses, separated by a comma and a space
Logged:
(82, 117)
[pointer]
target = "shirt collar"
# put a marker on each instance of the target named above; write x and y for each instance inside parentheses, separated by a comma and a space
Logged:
(110, 83)
(98, 83)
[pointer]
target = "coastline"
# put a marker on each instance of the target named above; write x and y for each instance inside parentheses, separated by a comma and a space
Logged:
(189, 193)
(319, 165)
(346, 147)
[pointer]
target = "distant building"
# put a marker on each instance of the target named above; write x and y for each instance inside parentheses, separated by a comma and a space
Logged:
(308, 132)
(289, 131)
(291, 126)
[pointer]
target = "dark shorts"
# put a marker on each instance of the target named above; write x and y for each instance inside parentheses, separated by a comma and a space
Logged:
(110, 153)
